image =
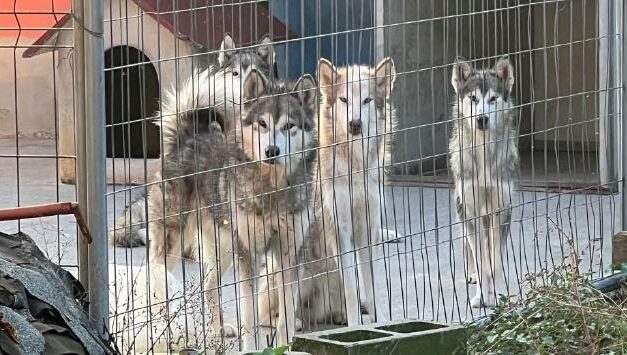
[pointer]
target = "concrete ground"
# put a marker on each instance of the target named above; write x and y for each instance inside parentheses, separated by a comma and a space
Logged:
(419, 276)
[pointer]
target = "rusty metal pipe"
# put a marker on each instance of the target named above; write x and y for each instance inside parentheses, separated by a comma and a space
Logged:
(53, 209)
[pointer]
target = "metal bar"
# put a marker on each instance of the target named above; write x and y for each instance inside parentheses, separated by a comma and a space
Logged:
(609, 75)
(79, 121)
(53, 209)
(624, 126)
(95, 163)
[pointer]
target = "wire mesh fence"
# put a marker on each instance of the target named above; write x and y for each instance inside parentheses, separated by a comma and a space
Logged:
(36, 104)
(276, 167)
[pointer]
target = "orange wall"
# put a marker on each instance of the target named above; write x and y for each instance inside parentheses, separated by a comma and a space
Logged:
(10, 22)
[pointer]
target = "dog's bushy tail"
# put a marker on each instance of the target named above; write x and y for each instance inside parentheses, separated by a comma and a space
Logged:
(127, 228)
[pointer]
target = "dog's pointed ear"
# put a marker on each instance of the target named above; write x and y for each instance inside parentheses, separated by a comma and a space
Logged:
(254, 86)
(305, 90)
(505, 71)
(385, 76)
(226, 49)
(461, 72)
(327, 76)
(266, 50)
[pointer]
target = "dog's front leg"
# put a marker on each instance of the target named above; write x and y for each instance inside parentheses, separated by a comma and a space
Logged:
(246, 302)
(287, 314)
(467, 231)
(506, 218)
(499, 230)
(490, 255)
(469, 264)
(474, 239)
(162, 261)
(369, 248)
(348, 269)
(220, 329)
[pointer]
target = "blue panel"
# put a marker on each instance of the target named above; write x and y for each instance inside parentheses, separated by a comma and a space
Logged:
(317, 21)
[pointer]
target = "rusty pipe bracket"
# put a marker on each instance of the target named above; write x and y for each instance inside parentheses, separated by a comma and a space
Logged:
(53, 209)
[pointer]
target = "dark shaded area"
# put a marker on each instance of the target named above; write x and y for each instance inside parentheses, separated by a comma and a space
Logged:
(42, 306)
(132, 95)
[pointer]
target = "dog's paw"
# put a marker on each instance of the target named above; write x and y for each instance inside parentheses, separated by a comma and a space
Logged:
(472, 279)
(487, 301)
(228, 331)
(476, 302)
(339, 318)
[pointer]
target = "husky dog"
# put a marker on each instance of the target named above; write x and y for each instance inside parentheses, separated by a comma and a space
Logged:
(253, 183)
(356, 117)
(355, 120)
(214, 87)
(483, 158)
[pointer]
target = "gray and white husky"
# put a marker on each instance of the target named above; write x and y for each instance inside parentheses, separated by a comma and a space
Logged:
(240, 194)
(217, 87)
(356, 119)
(483, 156)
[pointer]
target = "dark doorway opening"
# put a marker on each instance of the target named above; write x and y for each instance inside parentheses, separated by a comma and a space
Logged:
(132, 96)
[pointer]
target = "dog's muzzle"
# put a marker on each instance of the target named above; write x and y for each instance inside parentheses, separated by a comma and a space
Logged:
(354, 127)
(482, 122)
(272, 151)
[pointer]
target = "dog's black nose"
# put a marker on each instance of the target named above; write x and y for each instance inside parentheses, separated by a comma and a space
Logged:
(272, 151)
(482, 122)
(355, 126)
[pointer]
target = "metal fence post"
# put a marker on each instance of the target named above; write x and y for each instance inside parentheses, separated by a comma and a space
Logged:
(78, 61)
(95, 162)
(623, 72)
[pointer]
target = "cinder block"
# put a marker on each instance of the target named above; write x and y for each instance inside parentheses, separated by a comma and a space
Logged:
(259, 352)
(619, 249)
(399, 337)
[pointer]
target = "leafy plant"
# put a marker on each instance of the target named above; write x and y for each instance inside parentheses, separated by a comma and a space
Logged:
(567, 315)
(275, 351)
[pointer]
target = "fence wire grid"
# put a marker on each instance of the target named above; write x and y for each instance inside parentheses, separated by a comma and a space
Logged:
(275, 167)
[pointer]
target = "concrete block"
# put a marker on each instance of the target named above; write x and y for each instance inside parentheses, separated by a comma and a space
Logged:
(399, 337)
(259, 352)
(619, 249)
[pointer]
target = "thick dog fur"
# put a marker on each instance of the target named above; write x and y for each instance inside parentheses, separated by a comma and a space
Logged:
(319, 286)
(351, 168)
(483, 159)
(356, 117)
(218, 88)
(231, 184)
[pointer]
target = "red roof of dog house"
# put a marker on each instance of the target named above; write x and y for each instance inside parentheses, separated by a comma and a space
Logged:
(27, 19)
(203, 22)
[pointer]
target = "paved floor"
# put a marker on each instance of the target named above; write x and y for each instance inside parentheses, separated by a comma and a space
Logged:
(421, 276)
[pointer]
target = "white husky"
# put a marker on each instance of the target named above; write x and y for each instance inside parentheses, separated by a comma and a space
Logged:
(356, 119)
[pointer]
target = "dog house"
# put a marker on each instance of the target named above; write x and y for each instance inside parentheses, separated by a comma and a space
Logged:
(150, 46)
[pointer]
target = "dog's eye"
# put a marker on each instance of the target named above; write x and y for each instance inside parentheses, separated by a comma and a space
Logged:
(492, 100)
(473, 98)
(288, 126)
(367, 100)
(235, 73)
(262, 123)
(343, 99)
